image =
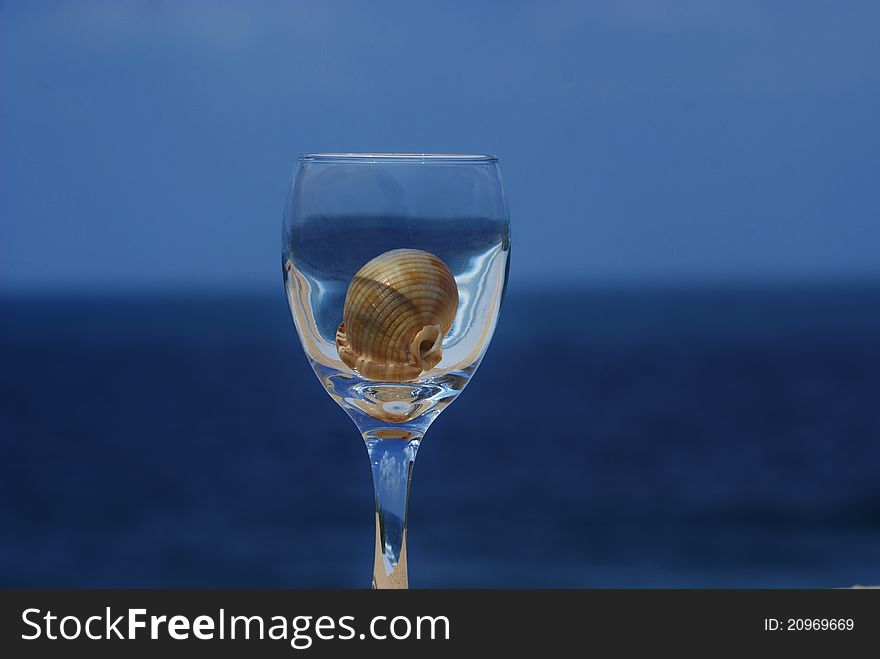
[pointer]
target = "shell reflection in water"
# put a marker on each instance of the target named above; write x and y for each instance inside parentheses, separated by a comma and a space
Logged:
(398, 308)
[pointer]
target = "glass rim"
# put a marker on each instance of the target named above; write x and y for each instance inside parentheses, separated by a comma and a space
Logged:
(470, 158)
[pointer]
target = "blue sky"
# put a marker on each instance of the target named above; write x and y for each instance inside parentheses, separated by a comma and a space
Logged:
(149, 144)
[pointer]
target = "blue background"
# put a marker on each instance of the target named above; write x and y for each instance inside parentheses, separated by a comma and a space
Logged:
(696, 219)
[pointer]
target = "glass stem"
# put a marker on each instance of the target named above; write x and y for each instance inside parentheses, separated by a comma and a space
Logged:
(391, 458)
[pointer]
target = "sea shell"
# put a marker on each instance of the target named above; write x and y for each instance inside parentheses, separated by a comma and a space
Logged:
(398, 308)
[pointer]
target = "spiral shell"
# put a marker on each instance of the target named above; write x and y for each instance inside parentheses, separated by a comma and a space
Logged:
(398, 308)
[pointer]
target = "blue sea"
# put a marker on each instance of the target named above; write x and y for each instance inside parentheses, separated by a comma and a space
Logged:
(655, 437)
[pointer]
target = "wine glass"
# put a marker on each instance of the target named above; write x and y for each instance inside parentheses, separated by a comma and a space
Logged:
(395, 267)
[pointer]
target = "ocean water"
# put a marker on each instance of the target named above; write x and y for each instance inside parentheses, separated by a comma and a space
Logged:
(618, 438)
